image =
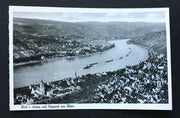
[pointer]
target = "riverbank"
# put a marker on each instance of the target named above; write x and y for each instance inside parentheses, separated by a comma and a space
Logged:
(151, 53)
(156, 41)
(86, 52)
(142, 83)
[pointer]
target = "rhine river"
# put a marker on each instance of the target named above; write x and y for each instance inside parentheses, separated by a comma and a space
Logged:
(122, 55)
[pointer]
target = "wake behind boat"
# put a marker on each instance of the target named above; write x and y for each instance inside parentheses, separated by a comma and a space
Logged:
(93, 64)
(87, 67)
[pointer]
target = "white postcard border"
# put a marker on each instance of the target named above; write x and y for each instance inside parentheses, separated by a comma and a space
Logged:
(13, 107)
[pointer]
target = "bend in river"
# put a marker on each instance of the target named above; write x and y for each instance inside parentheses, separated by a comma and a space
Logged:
(122, 55)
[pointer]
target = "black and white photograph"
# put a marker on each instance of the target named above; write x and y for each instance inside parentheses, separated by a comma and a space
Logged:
(89, 58)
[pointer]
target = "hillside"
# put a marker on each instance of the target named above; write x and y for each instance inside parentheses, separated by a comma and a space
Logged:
(92, 29)
(155, 40)
(34, 38)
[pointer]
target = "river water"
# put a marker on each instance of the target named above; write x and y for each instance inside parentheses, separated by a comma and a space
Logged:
(123, 54)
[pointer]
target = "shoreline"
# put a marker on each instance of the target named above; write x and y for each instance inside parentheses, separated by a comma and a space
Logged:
(66, 57)
(56, 57)
(151, 53)
(47, 60)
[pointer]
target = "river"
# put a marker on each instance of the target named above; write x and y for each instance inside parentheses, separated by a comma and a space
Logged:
(122, 55)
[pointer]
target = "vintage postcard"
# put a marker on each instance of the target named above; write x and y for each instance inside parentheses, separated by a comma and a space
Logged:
(89, 58)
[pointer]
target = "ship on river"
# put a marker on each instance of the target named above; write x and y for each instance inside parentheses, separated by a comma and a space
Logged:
(109, 60)
(90, 65)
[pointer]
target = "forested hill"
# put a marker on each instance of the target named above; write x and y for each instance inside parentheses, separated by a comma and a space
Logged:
(84, 29)
(33, 38)
(154, 40)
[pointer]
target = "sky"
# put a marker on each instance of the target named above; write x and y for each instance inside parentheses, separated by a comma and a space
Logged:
(99, 17)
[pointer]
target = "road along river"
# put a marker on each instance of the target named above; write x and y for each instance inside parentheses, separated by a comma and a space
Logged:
(122, 55)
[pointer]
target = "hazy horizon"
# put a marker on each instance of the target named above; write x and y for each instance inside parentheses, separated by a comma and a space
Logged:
(154, 17)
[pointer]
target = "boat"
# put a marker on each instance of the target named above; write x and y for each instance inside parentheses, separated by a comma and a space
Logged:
(109, 60)
(90, 65)
(120, 57)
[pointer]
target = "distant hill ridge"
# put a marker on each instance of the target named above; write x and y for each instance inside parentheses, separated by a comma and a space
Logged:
(93, 29)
